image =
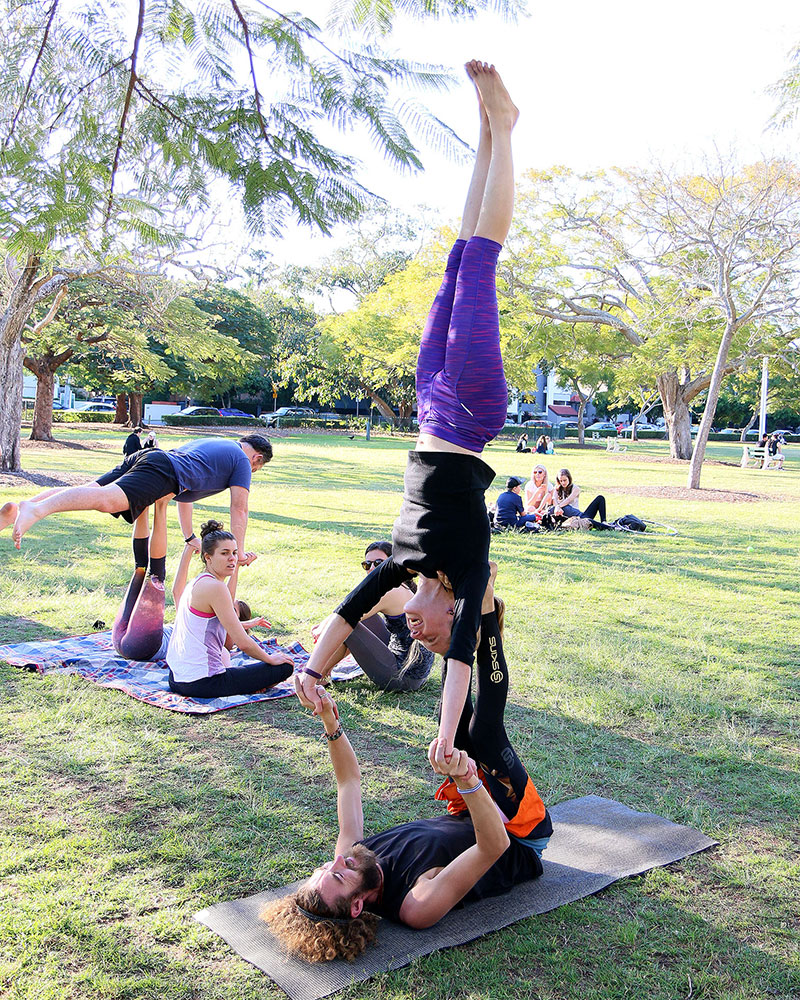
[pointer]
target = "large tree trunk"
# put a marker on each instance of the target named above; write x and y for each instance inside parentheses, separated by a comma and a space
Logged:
(20, 304)
(135, 408)
(720, 370)
(676, 415)
(121, 416)
(42, 429)
(10, 405)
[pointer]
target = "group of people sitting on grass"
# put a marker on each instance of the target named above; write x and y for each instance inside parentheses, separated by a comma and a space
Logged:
(544, 445)
(430, 591)
(536, 504)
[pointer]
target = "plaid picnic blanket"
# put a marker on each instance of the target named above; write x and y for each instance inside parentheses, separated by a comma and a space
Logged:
(94, 657)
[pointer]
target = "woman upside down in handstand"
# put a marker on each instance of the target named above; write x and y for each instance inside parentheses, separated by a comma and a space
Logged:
(442, 533)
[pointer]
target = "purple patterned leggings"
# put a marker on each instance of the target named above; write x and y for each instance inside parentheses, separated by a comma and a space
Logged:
(461, 388)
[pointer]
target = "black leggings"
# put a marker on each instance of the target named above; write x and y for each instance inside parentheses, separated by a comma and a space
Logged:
(597, 506)
(369, 644)
(481, 731)
(254, 676)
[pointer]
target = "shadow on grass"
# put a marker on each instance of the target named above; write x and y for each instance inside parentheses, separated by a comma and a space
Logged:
(16, 628)
(134, 818)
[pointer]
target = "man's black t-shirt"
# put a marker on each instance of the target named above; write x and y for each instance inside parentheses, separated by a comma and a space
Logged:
(406, 852)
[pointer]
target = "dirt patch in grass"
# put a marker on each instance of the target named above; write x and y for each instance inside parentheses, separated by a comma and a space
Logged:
(681, 493)
(39, 479)
(64, 445)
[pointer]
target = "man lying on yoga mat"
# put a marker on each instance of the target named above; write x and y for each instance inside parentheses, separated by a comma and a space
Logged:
(442, 532)
(190, 472)
(490, 839)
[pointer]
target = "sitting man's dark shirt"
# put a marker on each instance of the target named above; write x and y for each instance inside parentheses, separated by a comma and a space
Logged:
(509, 507)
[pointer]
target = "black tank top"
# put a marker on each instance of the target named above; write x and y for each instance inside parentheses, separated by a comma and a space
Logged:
(443, 525)
(406, 851)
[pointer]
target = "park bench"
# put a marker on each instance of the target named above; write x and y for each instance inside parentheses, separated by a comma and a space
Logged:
(757, 457)
(613, 444)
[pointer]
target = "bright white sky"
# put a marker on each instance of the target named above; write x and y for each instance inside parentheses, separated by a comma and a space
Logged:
(598, 84)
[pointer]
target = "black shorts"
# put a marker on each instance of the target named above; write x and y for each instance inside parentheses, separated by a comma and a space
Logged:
(144, 477)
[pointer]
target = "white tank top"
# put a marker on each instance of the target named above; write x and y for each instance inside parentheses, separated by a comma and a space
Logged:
(197, 645)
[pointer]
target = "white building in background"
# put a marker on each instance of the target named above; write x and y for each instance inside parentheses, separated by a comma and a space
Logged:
(62, 395)
(548, 401)
(29, 383)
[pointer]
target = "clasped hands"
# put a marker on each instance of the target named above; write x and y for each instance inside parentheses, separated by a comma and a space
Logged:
(456, 764)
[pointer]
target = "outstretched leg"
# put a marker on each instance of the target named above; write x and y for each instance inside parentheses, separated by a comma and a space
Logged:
(466, 400)
(109, 499)
(504, 773)
(434, 337)
(8, 514)
(141, 543)
(497, 206)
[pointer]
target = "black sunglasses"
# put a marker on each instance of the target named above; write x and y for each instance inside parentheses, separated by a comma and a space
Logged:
(369, 563)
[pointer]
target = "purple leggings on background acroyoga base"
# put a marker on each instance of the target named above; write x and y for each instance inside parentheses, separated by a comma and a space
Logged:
(138, 629)
(461, 387)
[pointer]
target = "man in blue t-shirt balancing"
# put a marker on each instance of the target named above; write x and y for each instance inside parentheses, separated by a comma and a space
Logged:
(191, 472)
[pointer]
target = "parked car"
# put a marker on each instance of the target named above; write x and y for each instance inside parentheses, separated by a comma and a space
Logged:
(644, 425)
(289, 411)
(234, 413)
(200, 411)
(602, 425)
(87, 406)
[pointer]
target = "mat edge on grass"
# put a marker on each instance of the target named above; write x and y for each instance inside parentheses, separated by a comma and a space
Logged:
(589, 820)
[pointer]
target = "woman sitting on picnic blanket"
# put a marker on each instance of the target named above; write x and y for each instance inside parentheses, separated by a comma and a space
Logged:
(442, 533)
(197, 655)
(489, 841)
(381, 642)
(538, 491)
(139, 632)
(565, 502)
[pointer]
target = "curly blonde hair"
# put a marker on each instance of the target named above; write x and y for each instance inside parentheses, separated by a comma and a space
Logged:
(319, 940)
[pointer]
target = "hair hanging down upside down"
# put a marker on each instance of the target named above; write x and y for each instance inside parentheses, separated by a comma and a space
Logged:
(320, 940)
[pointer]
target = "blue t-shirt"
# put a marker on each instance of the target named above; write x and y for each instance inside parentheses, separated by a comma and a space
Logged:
(509, 505)
(209, 466)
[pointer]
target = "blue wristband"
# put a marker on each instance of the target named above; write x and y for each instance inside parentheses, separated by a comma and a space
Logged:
(469, 791)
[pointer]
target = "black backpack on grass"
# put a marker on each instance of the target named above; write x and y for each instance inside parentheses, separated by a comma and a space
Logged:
(630, 522)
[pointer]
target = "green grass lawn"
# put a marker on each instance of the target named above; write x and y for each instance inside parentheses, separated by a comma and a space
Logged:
(656, 670)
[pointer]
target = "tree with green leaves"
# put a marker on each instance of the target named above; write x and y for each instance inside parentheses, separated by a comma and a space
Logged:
(693, 271)
(161, 340)
(371, 349)
(117, 121)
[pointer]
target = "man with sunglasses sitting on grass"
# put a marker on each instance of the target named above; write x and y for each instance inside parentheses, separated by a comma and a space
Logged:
(381, 643)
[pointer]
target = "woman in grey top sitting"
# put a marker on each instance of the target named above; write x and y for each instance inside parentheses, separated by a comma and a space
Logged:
(381, 643)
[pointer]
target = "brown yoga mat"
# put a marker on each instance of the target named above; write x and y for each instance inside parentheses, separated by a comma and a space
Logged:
(595, 842)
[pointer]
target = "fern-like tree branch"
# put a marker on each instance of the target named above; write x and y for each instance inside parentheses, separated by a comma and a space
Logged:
(132, 77)
(50, 18)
